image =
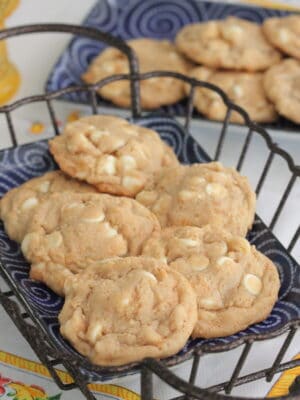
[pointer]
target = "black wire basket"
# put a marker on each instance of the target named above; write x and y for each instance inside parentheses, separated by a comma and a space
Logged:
(27, 321)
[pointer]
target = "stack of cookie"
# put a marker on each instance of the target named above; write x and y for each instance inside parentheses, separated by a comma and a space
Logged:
(147, 252)
(241, 57)
(245, 60)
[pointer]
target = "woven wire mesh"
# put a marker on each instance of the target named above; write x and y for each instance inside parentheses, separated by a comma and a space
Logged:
(17, 307)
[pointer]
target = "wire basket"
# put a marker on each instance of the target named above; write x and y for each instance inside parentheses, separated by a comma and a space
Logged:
(28, 324)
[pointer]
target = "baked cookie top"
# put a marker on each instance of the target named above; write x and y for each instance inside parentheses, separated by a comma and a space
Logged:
(282, 86)
(201, 194)
(72, 230)
(284, 33)
(18, 205)
(236, 285)
(115, 156)
(244, 88)
(153, 55)
(124, 310)
(232, 43)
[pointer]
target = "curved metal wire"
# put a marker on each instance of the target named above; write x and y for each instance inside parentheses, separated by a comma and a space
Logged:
(148, 366)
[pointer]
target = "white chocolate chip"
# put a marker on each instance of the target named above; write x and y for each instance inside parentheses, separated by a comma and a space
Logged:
(149, 275)
(240, 244)
(80, 175)
(147, 197)
(224, 260)
(198, 262)
(97, 218)
(128, 162)
(26, 242)
(93, 332)
(164, 260)
(284, 35)
(208, 302)
(29, 203)
(110, 231)
(118, 143)
(38, 267)
(130, 182)
(72, 205)
(252, 283)
(189, 242)
(44, 187)
(233, 31)
(187, 195)
(108, 166)
(215, 190)
(54, 240)
(197, 180)
(97, 134)
(107, 67)
(237, 91)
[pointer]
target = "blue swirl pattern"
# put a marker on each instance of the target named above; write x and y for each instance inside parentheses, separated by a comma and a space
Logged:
(28, 161)
(127, 19)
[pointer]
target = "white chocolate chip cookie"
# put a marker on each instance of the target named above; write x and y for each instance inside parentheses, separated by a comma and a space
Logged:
(18, 205)
(153, 55)
(110, 153)
(244, 88)
(232, 43)
(236, 286)
(284, 33)
(201, 194)
(123, 310)
(282, 86)
(70, 230)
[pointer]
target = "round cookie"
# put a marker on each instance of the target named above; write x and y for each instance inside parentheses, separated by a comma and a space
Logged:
(232, 43)
(244, 88)
(284, 33)
(123, 310)
(69, 231)
(199, 195)
(153, 55)
(236, 286)
(18, 205)
(110, 153)
(282, 86)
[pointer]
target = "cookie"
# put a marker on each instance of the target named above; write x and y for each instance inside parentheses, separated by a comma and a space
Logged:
(153, 55)
(201, 194)
(284, 33)
(110, 153)
(236, 286)
(232, 43)
(123, 310)
(18, 205)
(70, 230)
(282, 86)
(244, 88)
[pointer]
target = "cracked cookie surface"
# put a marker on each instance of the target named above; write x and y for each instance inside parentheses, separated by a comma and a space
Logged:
(201, 194)
(123, 310)
(232, 43)
(153, 55)
(110, 153)
(18, 205)
(236, 285)
(69, 231)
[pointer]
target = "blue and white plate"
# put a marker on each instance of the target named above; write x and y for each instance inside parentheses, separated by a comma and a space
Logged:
(159, 19)
(24, 162)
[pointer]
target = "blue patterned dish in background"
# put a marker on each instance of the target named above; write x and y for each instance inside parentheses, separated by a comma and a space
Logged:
(22, 163)
(159, 19)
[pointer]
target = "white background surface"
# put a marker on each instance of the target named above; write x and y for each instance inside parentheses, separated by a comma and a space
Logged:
(35, 56)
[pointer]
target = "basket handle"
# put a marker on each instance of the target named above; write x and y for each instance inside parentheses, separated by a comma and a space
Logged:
(91, 33)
